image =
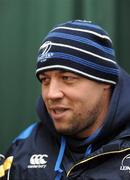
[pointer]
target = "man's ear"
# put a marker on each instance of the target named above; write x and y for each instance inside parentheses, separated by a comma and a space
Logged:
(107, 86)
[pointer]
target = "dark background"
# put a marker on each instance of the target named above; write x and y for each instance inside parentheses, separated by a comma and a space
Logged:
(23, 24)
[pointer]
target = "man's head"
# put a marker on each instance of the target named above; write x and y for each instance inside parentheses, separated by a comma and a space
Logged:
(76, 65)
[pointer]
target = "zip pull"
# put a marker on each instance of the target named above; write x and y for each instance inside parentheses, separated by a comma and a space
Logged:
(57, 168)
(88, 150)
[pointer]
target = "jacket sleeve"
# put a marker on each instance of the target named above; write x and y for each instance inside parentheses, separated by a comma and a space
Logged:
(8, 167)
(6, 163)
(12, 165)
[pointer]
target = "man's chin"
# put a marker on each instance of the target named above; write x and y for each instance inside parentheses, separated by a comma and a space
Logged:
(67, 132)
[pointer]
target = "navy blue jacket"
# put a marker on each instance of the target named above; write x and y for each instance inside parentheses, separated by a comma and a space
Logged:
(40, 153)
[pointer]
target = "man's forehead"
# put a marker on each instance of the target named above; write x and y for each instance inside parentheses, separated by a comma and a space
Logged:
(60, 71)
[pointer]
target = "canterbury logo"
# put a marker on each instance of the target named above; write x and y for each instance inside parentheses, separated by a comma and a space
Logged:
(38, 161)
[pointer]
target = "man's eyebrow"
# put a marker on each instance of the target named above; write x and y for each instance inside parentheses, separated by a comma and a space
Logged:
(65, 71)
(42, 74)
(62, 71)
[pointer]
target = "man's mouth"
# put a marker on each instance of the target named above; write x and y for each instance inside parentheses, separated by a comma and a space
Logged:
(58, 112)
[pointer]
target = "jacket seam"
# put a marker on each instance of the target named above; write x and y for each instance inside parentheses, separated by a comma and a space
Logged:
(102, 154)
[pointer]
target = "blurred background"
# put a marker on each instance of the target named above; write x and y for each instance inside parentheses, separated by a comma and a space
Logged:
(23, 24)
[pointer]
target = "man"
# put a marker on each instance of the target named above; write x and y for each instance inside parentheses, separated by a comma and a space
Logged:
(84, 132)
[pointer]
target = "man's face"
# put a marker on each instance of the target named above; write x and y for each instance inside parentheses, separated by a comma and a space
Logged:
(76, 104)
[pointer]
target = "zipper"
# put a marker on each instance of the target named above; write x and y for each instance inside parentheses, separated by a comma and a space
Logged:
(93, 157)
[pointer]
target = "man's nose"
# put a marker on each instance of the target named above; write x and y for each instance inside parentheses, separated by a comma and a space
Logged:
(55, 90)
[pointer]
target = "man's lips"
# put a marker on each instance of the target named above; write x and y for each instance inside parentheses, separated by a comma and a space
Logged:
(57, 111)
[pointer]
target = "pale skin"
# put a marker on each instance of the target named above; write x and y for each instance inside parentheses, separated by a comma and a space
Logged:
(77, 105)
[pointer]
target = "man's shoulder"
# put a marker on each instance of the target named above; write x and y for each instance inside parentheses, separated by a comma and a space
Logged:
(26, 133)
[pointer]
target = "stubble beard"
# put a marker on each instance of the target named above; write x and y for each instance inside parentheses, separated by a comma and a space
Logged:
(82, 125)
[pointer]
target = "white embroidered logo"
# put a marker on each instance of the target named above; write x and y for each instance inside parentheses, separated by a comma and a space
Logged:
(45, 48)
(38, 161)
(125, 163)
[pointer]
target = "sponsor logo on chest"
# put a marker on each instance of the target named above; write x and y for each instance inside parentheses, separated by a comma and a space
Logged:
(38, 161)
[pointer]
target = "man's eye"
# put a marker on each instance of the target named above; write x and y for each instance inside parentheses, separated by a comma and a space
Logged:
(68, 78)
(44, 80)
